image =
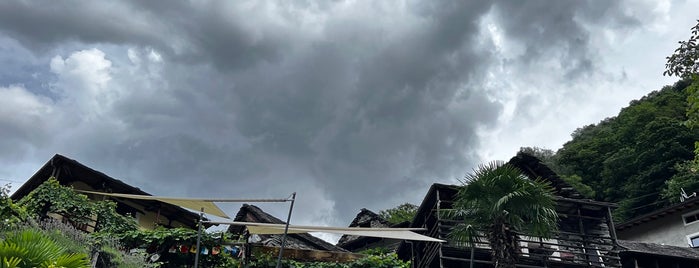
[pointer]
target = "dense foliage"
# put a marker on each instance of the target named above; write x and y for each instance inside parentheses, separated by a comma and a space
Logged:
(630, 157)
(51, 197)
(164, 241)
(496, 201)
(26, 231)
(11, 214)
(401, 213)
(385, 260)
(684, 63)
(549, 158)
(32, 248)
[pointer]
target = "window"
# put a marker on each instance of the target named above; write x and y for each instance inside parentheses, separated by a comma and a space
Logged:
(126, 210)
(694, 241)
(691, 217)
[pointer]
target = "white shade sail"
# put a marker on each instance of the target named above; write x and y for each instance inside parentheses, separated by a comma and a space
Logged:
(393, 233)
(208, 206)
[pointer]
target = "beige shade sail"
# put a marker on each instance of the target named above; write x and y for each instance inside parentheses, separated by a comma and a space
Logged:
(208, 206)
(393, 233)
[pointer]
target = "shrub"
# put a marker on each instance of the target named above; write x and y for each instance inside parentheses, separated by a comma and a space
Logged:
(32, 248)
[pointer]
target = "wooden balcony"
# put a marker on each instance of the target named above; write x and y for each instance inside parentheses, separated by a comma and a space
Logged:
(585, 238)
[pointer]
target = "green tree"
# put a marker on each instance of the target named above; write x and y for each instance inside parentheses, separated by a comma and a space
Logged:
(497, 201)
(684, 62)
(401, 213)
(687, 179)
(549, 158)
(630, 157)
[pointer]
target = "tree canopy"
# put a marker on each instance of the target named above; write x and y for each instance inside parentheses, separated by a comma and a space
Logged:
(630, 158)
(399, 214)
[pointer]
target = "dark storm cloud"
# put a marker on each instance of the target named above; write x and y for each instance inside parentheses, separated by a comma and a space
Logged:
(350, 105)
(558, 29)
(205, 32)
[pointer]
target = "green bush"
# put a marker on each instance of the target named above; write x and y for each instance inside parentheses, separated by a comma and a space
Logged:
(388, 260)
(35, 249)
(51, 197)
(160, 239)
(11, 214)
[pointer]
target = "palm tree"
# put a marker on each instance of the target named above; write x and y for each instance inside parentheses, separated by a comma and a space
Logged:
(496, 202)
(31, 248)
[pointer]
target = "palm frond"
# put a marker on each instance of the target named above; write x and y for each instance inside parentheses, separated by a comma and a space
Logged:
(35, 249)
(79, 260)
(10, 262)
(497, 197)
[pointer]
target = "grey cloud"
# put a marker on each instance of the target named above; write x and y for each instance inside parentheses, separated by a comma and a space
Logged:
(21, 67)
(559, 30)
(197, 33)
(41, 25)
(356, 112)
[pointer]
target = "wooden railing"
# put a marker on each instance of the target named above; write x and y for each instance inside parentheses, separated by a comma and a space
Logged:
(567, 248)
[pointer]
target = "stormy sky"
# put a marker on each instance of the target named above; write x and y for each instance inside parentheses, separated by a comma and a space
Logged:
(351, 104)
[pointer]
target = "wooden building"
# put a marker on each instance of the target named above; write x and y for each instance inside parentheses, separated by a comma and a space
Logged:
(148, 213)
(586, 235)
(298, 246)
(368, 219)
(251, 213)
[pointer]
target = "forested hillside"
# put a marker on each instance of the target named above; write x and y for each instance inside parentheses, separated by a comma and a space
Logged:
(630, 158)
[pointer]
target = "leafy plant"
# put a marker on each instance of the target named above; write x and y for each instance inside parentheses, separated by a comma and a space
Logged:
(497, 201)
(34, 249)
(11, 214)
(51, 197)
(389, 260)
(161, 239)
(401, 213)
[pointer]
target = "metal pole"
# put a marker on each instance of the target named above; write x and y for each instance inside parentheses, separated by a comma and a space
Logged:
(473, 246)
(286, 231)
(196, 255)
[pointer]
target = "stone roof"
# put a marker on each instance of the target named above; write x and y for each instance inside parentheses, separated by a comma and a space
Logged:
(251, 213)
(365, 218)
(687, 205)
(659, 250)
(67, 170)
(533, 168)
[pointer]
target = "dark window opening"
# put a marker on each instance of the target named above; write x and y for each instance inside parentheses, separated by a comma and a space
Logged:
(691, 218)
(126, 210)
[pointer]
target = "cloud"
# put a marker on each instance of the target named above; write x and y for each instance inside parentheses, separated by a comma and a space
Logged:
(19, 135)
(350, 104)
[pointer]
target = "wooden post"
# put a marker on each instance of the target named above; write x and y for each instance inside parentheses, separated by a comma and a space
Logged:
(196, 255)
(582, 232)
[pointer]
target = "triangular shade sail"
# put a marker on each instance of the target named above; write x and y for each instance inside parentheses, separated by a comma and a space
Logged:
(190, 203)
(394, 233)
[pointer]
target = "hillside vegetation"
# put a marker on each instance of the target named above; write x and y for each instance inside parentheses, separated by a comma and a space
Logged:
(640, 158)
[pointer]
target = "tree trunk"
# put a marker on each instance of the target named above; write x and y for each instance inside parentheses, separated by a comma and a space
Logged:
(504, 245)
